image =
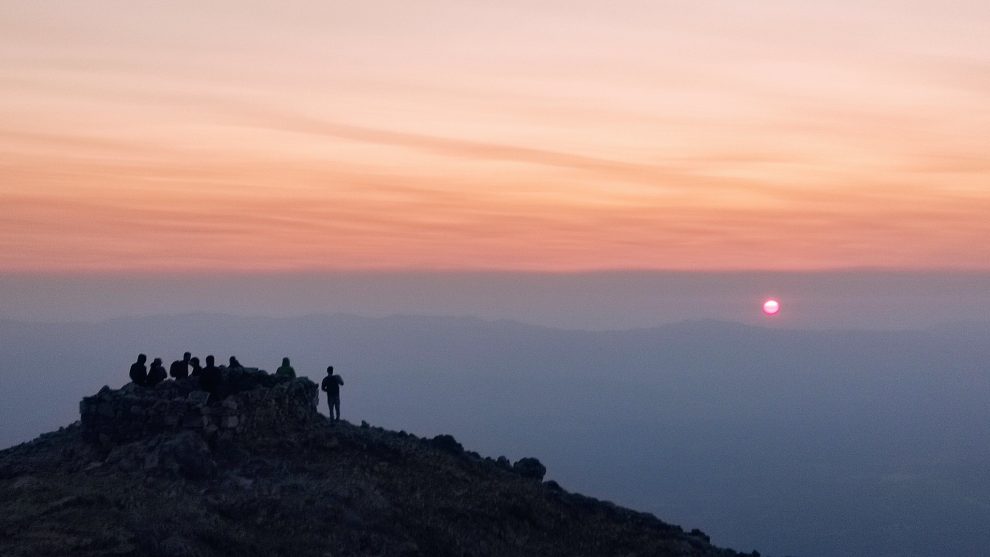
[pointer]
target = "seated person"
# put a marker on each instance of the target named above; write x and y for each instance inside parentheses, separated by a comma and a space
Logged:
(157, 373)
(196, 368)
(180, 368)
(285, 370)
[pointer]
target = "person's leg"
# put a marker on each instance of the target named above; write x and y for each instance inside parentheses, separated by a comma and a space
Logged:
(330, 406)
(336, 407)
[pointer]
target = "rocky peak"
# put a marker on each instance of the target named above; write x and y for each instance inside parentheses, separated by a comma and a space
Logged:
(162, 472)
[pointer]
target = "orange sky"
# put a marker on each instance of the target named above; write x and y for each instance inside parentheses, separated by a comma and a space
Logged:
(555, 136)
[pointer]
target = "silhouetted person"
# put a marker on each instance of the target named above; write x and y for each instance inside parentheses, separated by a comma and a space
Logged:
(210, 378)
(180, 368)
(285, 370)
(139, 374)
(197, 369)
(157, 373)
(234, 364)
(331, 386)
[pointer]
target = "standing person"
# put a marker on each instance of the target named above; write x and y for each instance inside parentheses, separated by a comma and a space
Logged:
(139, 374)
(285, 370)
(180, 368)
(331, 386)
(157, 373)
(210, 378)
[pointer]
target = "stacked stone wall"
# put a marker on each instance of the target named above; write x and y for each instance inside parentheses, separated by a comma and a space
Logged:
(255, 404)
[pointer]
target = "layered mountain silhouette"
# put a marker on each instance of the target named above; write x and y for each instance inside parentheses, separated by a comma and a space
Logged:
(813, 443)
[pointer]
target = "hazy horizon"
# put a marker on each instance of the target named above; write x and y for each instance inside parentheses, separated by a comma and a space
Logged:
(793, 442)
(877, 300)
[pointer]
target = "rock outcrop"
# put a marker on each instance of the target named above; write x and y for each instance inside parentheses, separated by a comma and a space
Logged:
(251, 403)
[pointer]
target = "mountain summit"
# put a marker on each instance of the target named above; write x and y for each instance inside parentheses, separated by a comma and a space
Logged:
(167, 472)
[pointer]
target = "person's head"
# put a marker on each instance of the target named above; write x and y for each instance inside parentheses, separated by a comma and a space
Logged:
(186, 357)
(285, 361)
(329, 370)
(233, 360)
(210, 360)
(157, 362)
(194, 362)
(142, 358)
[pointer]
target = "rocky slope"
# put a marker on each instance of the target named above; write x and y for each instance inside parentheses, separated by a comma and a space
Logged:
(317, 489)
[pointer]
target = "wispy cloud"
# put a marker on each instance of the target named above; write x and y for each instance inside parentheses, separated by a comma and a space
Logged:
(644, 138)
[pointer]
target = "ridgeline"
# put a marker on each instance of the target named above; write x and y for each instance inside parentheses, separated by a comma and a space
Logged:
(163, 472)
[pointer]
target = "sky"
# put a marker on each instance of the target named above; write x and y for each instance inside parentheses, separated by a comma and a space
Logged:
(255, 137)
(576, 164)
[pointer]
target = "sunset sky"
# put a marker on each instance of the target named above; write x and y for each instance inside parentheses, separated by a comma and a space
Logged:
(514, 135)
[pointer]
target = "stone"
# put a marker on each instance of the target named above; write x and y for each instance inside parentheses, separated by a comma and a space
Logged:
(447, 443)
(151, 461)
(131, 388)
(530, 467)
(176, 546)
(106, 409)
(230, 421)
(25, 483)
(187, 455)
(198, 397)
(699, 534)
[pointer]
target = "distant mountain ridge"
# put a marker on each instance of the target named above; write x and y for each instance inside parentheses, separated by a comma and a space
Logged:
(764, 437)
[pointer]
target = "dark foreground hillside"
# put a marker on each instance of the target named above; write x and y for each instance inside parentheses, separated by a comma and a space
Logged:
(318, 490)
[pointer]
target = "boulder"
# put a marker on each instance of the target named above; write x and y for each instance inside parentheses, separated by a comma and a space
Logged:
(530, 467)
(447, 443)
(185, 454)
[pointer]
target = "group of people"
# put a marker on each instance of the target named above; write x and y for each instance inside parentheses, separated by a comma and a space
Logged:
(210, 376)
(180, 369)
